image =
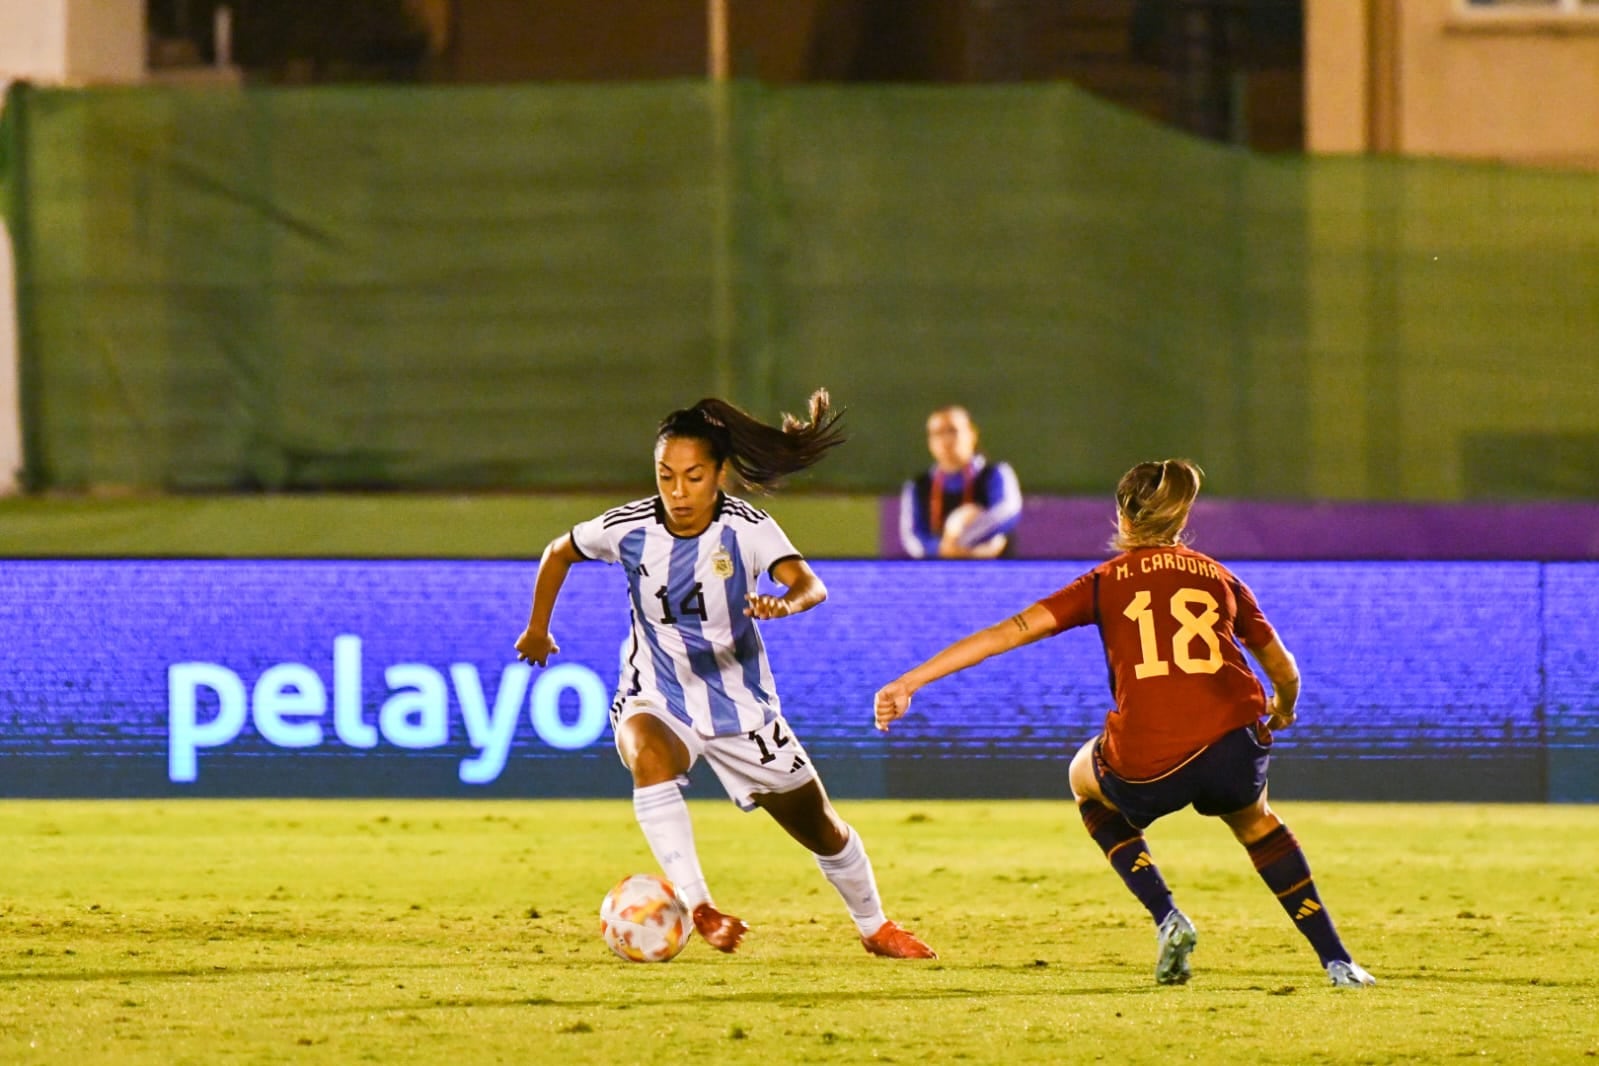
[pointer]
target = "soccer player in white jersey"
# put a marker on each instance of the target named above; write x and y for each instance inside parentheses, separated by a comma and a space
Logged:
(695, 680)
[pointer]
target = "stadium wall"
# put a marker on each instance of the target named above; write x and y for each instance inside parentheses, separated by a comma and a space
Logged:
(504, 288)
(1423, 681)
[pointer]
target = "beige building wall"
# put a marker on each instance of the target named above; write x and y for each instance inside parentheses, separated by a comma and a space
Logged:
(72, 42)
(54, 42)
(1426, 78)
(105, 41)
(33, 39)
(1336, 78)
(1432, 78)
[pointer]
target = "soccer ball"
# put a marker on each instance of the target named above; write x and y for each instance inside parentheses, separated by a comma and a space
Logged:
(644, 920)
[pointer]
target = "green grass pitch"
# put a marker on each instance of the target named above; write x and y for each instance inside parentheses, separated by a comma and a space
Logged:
(196, 931)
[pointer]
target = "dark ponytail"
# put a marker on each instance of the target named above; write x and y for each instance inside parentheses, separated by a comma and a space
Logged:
(760, 454)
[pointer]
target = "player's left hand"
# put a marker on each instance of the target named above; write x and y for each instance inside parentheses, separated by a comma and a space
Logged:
(761, 606)
(890, 703)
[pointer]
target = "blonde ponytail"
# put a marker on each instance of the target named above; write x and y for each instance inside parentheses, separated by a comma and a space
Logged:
(1152, 503)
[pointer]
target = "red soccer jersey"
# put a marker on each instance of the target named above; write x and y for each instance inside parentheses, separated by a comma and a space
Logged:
(1171, 620)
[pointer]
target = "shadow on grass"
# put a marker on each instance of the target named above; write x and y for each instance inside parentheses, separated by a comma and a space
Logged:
(1518, 982)
(189, 973)
(699, 999)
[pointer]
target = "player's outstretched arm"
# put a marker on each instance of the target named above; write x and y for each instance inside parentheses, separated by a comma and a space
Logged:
(1283, 671)
(535, 645)
(894, 698)
(803, 591)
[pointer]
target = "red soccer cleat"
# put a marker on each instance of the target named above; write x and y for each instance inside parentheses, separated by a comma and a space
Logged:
(892, 942)
(722, 931)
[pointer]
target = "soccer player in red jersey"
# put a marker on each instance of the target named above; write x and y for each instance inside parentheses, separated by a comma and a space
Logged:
(1187, 726)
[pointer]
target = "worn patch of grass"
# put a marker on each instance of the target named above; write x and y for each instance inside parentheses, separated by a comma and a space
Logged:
(462, 932)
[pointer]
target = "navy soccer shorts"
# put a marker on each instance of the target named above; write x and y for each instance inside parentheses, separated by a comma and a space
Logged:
(1225, 776)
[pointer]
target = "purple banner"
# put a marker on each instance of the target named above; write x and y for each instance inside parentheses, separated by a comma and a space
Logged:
(1059, 527)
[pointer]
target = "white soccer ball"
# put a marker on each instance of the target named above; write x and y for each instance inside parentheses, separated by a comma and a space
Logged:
(644, 920)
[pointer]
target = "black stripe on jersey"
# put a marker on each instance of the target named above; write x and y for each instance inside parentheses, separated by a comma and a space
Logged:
(750, 514)
(628, 510)
(784, 559)
(634, 688)
(631, 512)
(572, 536)
(643, 506)
(644, 502)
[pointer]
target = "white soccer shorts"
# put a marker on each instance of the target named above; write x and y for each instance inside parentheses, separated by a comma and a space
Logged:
(769, 759)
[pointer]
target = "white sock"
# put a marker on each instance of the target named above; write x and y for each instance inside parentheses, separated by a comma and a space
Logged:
(663, 815)
(850, 871)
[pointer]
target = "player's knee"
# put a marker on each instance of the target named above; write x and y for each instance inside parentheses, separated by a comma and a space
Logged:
(819, 839)
(832, 836)
(1252, 823)
(652, 753)
(648, 768)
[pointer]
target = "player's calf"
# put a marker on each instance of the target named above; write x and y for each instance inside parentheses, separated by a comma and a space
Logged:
(1282, 865)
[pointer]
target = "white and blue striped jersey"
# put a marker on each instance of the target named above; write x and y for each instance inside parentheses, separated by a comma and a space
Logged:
(692, 646)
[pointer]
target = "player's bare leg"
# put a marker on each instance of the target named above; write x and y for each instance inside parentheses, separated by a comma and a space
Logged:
(651, 752)
(807, 815)
(657, 758)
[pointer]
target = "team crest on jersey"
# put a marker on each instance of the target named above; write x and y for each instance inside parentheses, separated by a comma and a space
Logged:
(722, 563)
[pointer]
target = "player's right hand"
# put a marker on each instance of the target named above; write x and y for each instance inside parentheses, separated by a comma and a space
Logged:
(534, 647)
(891, 702)
(1275, 718)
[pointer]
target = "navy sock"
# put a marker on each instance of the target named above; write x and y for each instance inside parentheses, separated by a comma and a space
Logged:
(1128, 853)
(1281, 864)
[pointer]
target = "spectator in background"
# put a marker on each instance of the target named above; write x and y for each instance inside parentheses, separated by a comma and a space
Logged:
(964, 507)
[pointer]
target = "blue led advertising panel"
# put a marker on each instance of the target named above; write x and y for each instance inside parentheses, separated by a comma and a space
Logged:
(166, 677)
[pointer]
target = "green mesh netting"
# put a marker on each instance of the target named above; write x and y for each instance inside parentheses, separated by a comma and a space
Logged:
(506, 287)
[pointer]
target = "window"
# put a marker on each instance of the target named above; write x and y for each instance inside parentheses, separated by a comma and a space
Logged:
(1564, 7)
